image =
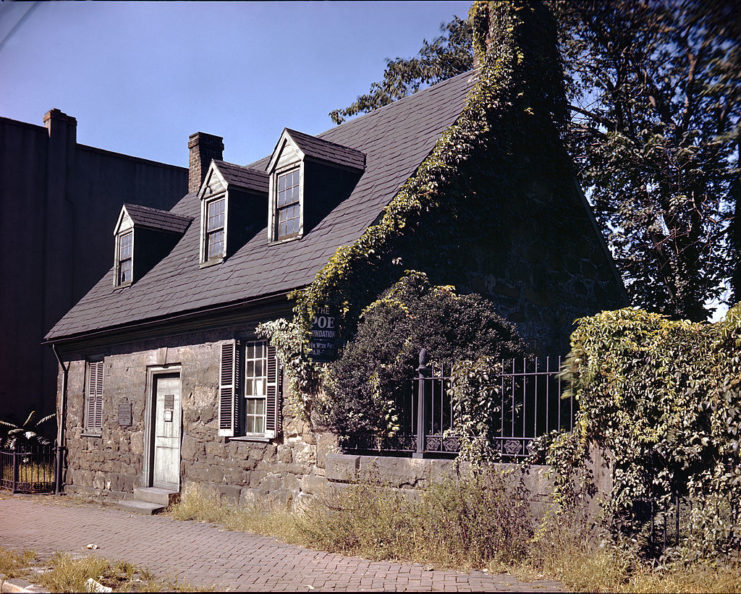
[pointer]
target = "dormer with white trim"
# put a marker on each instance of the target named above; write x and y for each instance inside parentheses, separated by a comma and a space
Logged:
(143, 236)
(308, 177)
(232, 209)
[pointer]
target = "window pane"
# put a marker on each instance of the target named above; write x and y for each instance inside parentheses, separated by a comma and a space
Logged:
(255, 384)
(215, 215)
(124, 271)
(124, 246)
(215, 244)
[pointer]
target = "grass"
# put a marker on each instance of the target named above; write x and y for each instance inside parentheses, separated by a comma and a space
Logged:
(63, 573)
(476, 522)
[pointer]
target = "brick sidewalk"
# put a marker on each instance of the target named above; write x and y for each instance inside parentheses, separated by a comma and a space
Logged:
(205, 555)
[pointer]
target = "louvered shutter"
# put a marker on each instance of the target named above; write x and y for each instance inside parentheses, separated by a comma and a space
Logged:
(228, 388)
(94, 412)
(99, 396)
(273, 404)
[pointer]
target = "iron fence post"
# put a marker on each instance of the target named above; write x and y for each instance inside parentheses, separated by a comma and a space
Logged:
(15, 472)
(423, 372)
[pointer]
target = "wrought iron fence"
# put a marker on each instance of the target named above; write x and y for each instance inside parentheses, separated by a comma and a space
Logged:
(530, 404)
(665, 523)
(28, 471)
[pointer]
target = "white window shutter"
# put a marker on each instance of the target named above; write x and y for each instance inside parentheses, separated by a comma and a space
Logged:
(273, 404)
(229, 372)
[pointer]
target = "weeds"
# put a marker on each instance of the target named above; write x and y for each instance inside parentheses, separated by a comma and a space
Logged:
(13, 564)
(63, 573)
(206, 505)
(473, 521)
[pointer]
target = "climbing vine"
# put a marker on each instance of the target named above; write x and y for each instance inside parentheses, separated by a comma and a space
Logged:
(663, 399)
(303, 374)
(519, 89)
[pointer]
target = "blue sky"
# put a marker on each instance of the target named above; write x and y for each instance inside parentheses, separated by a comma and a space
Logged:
(141, 76)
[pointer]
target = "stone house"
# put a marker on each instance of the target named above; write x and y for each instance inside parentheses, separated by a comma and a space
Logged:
(163, 381)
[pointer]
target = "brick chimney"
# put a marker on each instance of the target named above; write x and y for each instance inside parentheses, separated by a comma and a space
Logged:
(203, 148)
(61, 126)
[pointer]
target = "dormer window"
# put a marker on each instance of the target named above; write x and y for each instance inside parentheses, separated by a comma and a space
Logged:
(232, 209)
(125, 261)
(157, 232)
(308, 177)
(214, 247)
(288, 208)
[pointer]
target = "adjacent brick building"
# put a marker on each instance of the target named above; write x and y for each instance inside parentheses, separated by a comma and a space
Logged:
(58, 203)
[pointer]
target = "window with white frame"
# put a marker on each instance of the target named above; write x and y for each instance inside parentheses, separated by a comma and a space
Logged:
(214, 236)
(125, 258)
(249, 390)
(255, 386)
(288, 210)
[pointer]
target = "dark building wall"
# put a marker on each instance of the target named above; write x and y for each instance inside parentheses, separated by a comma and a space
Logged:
(59, 202)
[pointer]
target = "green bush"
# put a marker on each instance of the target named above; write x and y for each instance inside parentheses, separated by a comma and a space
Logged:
(373, 374)
(663, 398)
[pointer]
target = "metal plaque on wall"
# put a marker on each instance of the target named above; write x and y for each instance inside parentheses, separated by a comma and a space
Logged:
(124, 414)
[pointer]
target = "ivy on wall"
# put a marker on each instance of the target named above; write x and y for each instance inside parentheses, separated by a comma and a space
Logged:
(519, 89)
(663, 398)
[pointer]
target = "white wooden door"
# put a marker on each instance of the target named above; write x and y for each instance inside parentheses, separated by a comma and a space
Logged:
(166, 471)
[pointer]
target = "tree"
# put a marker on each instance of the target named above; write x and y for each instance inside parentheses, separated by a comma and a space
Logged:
(654, 132)
(654, 92)
(366, 387)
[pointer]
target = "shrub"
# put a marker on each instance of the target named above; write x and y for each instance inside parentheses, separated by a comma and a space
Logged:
(372, 376)
(663, 398)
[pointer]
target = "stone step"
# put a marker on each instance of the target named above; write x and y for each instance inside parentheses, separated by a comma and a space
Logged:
(163, 497)
(139, 507)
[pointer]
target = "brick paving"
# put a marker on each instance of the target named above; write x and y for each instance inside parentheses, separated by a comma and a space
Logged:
(205, 555)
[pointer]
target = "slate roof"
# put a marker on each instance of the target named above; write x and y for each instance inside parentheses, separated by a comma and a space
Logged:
(395, 140)
(244, 177)
(324, 150)
(154, 218)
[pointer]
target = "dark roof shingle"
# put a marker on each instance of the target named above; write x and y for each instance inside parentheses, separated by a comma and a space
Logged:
(154, 218)
(324, 150)
(243, 177)
(395, 140)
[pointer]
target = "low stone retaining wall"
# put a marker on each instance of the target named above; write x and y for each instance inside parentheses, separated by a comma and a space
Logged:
(415, 473)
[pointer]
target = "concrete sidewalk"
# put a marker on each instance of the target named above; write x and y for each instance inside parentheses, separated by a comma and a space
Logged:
(208, 556)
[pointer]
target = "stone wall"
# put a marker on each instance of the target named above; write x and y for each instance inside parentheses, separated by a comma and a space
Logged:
(413, 474)
(111, 465)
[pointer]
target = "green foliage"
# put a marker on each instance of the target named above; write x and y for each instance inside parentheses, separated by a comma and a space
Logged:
(372, 375)
(447, 55)
(656, 100)
(448, 201)
(303, 374)
(662, 398)
(19, 437)
(476, 397)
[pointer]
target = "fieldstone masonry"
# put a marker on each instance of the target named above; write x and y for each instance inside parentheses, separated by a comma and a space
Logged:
(112, 464)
